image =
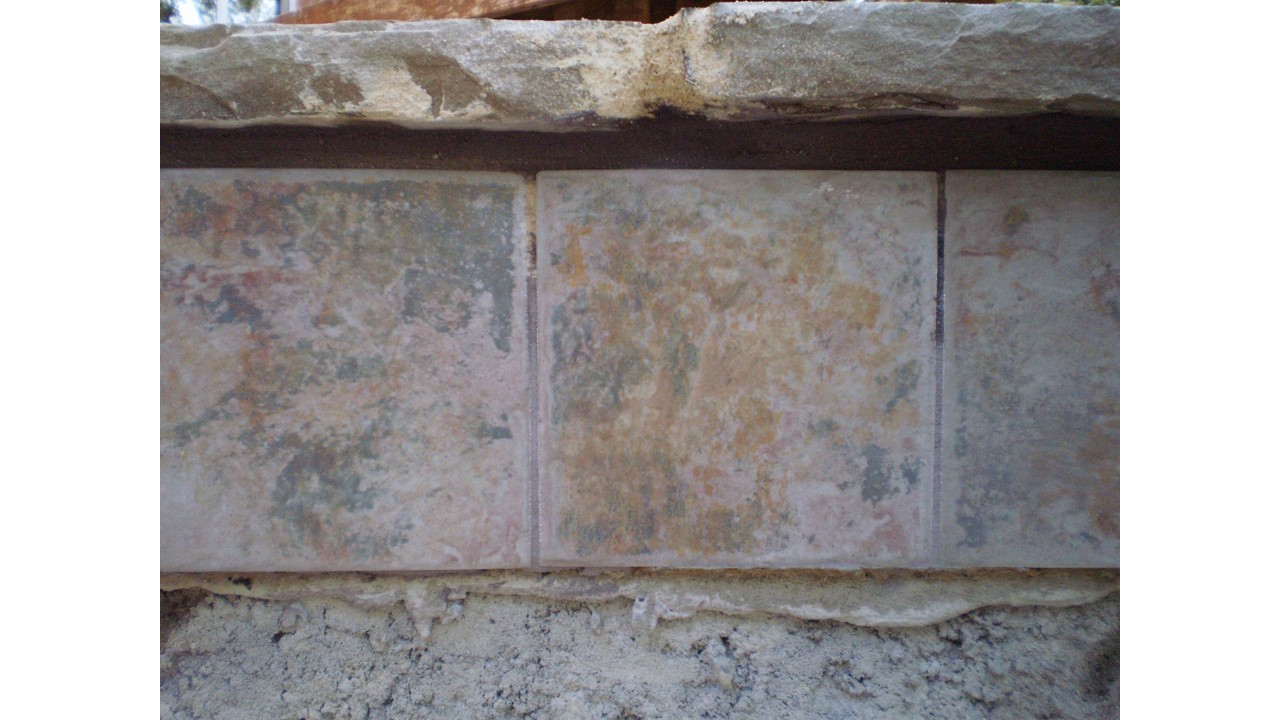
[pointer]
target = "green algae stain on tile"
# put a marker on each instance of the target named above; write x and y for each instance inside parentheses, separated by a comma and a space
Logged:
(320, 495)
(904, 382)
(343, 372)
(717, 341)
(877, 479)
(680, 359)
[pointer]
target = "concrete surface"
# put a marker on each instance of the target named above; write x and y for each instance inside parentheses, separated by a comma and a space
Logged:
(340, 648)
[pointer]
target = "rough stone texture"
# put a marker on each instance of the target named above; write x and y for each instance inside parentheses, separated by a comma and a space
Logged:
(343, 370)
(736, 367)
(737, 61)
(1031, 409)
(504, 655)
(882, 598)
(840, 58)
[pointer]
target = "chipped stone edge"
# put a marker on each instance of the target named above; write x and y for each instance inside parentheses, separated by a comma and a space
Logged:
(574, 75)
(878, 599)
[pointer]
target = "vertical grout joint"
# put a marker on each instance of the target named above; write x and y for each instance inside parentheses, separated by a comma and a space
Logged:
(939, 336)
(532, 378)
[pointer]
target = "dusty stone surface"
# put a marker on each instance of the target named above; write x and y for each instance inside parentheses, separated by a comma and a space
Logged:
(343, 370)
(1031, 399)
(837, 58)
(737, 367)
(495, 655)
(735, 61)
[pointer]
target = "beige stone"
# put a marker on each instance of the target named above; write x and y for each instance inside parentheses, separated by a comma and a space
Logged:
(731, 61)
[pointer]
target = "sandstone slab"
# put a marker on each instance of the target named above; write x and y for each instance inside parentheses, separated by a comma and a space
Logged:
(788, 59)
(343, 371)
(729, 61)
(1031, 402)
(736, 367)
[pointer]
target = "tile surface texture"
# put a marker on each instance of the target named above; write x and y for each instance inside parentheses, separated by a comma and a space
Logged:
(736, 367)
(1031, 415)
(343, 360)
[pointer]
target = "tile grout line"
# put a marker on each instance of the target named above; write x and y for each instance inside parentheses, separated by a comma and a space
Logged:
(533, 375)
(939, 337)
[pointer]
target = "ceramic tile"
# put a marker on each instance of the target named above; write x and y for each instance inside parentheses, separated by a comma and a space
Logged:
(1031, 408)
(343, 360)
(736, 367)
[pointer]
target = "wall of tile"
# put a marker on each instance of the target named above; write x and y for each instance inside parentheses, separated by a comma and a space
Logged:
(418, 370)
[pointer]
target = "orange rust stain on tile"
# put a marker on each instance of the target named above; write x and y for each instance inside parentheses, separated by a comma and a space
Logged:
(1100, 456)
(1004, 249)
(894, 533)
(326, 317)
(576, 269)
(855, 304)
(757, 427)
(255, 364)
(1014, 219)
(1104, 290)
(668, 388)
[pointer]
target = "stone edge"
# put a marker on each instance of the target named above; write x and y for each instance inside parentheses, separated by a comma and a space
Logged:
(824, 61)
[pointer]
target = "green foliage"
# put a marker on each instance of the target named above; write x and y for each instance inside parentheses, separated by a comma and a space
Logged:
(168, 8)
(240, 11)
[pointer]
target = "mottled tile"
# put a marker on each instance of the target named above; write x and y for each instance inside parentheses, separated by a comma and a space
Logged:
(1031, 406)
(736, 367)
(343, 359)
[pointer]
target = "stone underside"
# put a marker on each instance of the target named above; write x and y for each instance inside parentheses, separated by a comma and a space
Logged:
(739, 61)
